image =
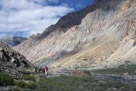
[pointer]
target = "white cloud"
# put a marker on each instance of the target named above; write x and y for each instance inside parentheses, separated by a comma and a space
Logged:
(29, 15)
(19, 4)
(36, 14)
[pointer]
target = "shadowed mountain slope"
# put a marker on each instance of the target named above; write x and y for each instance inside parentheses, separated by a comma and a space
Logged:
(11, 61)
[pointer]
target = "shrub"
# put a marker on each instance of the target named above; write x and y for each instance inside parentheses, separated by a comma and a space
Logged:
(16, 89)
(31, 85)
(5, 79)
(21, 84)
(30, 78)
(126, 87)
(48, 82)
(118, 86)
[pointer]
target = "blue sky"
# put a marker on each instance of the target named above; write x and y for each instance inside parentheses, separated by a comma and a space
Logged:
(27, 17)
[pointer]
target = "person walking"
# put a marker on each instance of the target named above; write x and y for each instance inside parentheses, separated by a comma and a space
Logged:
(46, 70)
(35, 69)
(43, 70)
(39, 70)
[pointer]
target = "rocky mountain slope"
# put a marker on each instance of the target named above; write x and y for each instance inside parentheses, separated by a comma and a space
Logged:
(11, 61)
(98, 36)
(13, 41)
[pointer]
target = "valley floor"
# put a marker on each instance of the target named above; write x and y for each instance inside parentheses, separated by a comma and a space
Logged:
(64, 80)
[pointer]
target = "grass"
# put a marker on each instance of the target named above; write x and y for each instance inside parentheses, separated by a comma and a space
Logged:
(32, 85)
(85, 83)
(48, 82)
(22, 84)
(29, 78)
(17, 89)
(73, 83)
(125, 68)
(6, 80)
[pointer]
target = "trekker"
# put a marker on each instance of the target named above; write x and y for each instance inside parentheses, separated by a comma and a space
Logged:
(43, 70)
(36, 69)
(46, 70)
(39, 70)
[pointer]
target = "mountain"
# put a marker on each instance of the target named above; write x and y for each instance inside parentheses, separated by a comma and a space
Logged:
(13, 41)
(11, 61)
(98, 36)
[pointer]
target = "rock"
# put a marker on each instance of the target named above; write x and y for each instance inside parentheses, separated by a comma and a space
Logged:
(9, 88)
(0, 49)
(99, 59)
(125, 74)
(11, 61)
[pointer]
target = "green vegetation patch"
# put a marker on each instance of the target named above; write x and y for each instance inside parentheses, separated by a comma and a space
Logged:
(130, 69)
(24, 85)
(17, 89)
(6, 80)
(83, 83)
(49, 82)
(20, 84)
(74, 83)
(31, 85)
(29, 78)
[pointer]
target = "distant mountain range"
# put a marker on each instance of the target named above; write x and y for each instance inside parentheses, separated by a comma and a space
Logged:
(13, 41)
(98, 36)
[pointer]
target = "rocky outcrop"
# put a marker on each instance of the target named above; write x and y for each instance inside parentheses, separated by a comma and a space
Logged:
(101, 35)
(11, 61)
(13, 41)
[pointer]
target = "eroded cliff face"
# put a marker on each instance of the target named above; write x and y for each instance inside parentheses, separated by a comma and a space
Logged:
(99, 35)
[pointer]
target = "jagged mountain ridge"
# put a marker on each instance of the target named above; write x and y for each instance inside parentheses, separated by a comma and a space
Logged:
(13, 41)
(11, 61)
(98, 38)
